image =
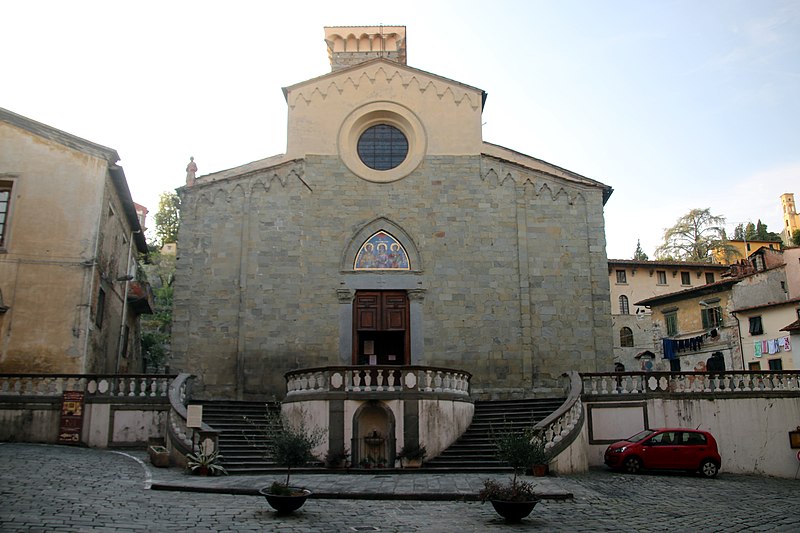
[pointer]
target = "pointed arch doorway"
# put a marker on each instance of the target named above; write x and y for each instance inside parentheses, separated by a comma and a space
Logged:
(381, 333)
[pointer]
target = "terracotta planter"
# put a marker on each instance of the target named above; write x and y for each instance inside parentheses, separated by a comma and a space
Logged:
(159, 456)
(539, 470)
(513, 511)
(285, 504)
(412, 463)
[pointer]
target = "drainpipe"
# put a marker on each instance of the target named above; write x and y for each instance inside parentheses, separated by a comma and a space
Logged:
(90, 298)
(128, 277)
(739, 330)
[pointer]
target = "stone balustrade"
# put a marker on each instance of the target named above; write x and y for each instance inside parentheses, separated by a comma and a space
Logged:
(728, 383)
(94, 385)
(562, 427)
(360, 380)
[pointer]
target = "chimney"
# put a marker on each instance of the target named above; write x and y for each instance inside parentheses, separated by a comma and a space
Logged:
(351, 45)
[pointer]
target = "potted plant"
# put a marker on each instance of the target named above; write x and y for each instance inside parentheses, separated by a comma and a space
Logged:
(412, 455)
(290, 444)
(519, 449)
(337, 459)
(205, 464)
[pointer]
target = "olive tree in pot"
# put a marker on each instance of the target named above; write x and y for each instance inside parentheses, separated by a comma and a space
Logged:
(290, 444)
(519, 449)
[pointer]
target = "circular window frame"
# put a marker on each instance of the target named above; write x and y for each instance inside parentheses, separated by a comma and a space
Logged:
(373, 114)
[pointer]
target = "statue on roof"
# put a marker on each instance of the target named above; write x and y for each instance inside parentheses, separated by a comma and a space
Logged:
(191, 172)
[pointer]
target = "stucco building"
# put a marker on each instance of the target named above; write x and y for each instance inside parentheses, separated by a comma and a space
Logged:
(70, 238)
(631, 281)
(390, 233)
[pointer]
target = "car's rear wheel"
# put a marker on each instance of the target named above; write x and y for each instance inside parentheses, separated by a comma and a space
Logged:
(708, 468)
(633, 465)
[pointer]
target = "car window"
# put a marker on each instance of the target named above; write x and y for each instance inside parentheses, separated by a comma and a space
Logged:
(668, 438)
(691, 438)
(641, 435)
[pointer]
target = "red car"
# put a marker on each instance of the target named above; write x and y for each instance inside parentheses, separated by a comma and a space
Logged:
(666, 448)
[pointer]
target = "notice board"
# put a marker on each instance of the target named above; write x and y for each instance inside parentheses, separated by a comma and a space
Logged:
(69, 430)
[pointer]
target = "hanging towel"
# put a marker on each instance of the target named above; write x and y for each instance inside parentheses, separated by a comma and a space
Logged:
(772, 346)
(764, 347)
(757, 347)
(669, 348)
(786, 344)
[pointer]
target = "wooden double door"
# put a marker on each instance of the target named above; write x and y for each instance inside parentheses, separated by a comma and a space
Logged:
(380, 328)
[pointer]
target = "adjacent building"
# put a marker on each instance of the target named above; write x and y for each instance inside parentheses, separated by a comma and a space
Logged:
(631, 281)
(747, 317)
(69, 242)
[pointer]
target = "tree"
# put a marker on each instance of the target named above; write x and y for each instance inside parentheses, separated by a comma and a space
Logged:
(167, 218)
(796, 237)
(694, 237)
(754, 232)
(157, 328)
(639, 254)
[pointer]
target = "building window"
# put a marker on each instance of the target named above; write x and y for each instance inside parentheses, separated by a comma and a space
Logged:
(623, 305)
(756, 328)
(626, 337)
(686, 279)
(675, 365)
(101, 308)
(709, 277)
(382, 147)
(671, 319)
(754, 366)
(622, 276)
(712, 317)
(661, 276)
(5, 210)
(775, 364)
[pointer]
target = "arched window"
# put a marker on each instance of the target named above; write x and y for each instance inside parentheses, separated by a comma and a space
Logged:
(382, 252)
(626, 337)
(623, 305)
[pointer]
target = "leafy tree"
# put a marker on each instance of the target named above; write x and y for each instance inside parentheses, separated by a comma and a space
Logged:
(157, 328)
(796, 237)
(754, 232)
(694, 237)
(167, 218)
(639, 254)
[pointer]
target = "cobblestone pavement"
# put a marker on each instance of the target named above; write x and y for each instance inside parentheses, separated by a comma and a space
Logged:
(57, 488)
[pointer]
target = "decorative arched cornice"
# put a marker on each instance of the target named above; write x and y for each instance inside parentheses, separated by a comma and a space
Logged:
(386, 75)
(498, 174)
(223, 190)
(368, 230)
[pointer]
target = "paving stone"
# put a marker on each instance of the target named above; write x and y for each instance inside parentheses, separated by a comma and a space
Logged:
(58, 488)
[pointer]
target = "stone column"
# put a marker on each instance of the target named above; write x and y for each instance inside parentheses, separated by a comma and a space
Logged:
(345, 297)
(416, 321)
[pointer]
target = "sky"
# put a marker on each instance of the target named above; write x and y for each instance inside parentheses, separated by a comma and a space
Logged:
(675, 104)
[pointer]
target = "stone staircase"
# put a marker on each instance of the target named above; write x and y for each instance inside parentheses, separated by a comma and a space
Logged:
(474, 450)
(243, 447)
(241, 442)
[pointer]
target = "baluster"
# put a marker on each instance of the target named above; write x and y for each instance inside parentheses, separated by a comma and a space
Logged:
(357, 380)
(428, 380)
(368, 380)
(143, 386)
(379, 380)
(392, 377)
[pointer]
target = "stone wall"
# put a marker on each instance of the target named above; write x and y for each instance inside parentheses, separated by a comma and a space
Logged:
(512, 273)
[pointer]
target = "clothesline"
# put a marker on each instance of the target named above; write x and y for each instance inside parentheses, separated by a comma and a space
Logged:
(772, 346)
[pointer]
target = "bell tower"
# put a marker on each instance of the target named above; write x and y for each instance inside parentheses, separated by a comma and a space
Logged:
(351, 45)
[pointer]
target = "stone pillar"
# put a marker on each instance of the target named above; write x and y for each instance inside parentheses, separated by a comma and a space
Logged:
(416, 321)
(345, 297)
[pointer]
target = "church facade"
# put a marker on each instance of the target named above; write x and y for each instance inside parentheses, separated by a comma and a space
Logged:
(390, 233)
